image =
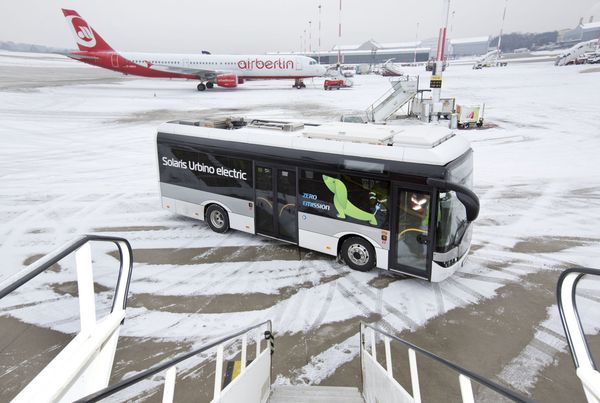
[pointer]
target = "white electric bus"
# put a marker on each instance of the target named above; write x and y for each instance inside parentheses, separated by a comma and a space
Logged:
(394, 197)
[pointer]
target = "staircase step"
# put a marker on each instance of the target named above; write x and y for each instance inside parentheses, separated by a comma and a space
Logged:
(315, 394)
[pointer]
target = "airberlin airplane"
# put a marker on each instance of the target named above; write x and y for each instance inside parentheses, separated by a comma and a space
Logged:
(222, 70)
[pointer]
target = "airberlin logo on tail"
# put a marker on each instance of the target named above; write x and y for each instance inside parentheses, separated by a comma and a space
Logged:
(83, 33)
(265, 64)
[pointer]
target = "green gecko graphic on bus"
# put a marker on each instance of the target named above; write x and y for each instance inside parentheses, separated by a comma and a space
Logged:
(343, 206)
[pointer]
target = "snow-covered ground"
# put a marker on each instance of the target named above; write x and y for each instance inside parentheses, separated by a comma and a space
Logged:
(77, 156)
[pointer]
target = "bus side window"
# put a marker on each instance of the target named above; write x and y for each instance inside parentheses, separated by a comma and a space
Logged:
(370, 196)
(353, 199)
(413, 210)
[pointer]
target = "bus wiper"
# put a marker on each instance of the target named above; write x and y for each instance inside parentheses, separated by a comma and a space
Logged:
(463, 224)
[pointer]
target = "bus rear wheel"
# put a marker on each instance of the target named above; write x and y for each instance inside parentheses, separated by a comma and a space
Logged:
(358, 254)
(217, 218)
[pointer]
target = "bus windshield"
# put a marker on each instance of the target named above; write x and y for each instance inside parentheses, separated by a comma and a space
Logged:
(452, 215)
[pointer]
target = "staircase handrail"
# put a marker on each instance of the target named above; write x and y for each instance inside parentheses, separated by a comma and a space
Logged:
(585, 366)
(569, 315)
(502, 390)
(132, 380)
(396, 85)
(21, 277)
(84, 364)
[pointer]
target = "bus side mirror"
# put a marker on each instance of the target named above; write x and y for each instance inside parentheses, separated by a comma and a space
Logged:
(471, 202)
(466, 196)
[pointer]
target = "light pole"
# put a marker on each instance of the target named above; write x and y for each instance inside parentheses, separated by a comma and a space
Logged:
(502, 28)
(319, 45)
(304, 46)
(436, 75)
(416, 43)
(339, 61)
(310, 36)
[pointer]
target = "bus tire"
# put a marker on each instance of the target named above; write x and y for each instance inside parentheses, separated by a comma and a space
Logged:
(358, 254)
(217, 218)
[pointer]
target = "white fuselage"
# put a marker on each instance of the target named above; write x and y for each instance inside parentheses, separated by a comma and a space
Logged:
(243, 66)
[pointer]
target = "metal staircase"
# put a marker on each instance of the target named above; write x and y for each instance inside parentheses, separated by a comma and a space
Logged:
(253, 383)
(578, 50)
(84, 365)
(82, 369)
(403, 90)
(315, 394)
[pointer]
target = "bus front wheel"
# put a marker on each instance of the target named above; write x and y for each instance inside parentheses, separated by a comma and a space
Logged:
(358, 254)
(217, 218)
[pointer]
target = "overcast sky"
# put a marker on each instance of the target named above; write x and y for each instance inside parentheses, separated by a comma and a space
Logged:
(248, 26)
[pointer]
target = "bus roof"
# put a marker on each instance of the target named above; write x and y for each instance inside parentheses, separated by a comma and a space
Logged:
(411, 142)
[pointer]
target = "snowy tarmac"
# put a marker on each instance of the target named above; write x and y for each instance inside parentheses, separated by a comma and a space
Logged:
(77, 156)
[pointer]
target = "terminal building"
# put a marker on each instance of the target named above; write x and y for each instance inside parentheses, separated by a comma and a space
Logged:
(581, 33)
(373, 52)
(469, 46)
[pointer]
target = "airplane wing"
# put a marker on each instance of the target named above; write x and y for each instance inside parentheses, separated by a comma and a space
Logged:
(74, 55)
(80, 57)
(203, 74)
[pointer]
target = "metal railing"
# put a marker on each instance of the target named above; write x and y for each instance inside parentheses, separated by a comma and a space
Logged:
(400, 85)
(262, 331)
(369, 363)
(567, 307)
(85, 363)
(39, 266)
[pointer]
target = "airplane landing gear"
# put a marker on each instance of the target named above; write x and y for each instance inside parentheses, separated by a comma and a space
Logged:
(209, 85)
(201, 87)
(299, 84)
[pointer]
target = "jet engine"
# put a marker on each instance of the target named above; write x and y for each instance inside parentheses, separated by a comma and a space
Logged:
(226, 80)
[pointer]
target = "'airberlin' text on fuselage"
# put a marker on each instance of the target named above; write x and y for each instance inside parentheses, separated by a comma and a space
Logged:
(265, 64)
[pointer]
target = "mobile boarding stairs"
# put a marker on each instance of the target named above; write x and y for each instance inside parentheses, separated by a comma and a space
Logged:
(81, 371)
(405, 92)
(578, 50)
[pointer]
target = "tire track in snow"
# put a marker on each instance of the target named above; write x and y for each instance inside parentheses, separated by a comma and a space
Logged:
(369, 294)
(326, 305)
(20, 226)
(523, 371)
(439, 299)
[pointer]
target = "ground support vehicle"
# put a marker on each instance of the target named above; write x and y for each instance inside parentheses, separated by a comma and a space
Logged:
(394, 197)
(470, 116)
(333, 84)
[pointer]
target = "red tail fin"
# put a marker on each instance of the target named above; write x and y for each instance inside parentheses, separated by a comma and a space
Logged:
(87, 39)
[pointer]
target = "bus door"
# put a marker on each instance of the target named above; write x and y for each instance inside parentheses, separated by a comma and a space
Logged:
(275, 211)
(411, 240)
